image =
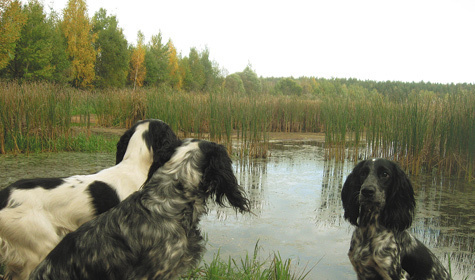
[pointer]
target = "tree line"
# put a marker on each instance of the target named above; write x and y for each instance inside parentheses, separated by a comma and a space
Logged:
(86, 53)
(71, 48)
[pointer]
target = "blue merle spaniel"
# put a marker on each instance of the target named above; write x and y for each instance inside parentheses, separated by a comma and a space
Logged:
(378, 199)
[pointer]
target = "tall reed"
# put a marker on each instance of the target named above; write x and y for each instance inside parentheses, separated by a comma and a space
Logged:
(422, 130)
(33, 115)
(213, 116)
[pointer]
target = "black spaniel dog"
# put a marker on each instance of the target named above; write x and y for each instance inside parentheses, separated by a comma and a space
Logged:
(378, 199)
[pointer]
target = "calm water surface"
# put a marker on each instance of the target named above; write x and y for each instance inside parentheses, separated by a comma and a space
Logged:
(296, 207)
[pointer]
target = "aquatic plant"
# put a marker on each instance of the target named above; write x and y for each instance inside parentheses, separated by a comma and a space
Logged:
(422, 130)
(32, 115)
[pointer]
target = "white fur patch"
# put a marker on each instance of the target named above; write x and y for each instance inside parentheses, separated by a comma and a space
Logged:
(36, 219)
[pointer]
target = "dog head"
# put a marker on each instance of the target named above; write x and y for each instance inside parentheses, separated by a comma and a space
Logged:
(153, 139)
(199, 170)
(379, 185)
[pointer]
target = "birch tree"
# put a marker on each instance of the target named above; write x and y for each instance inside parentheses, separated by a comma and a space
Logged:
(137, 70)
(77, 29)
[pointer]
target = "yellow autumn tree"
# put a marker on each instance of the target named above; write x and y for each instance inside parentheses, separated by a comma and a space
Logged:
(77, 29)
(11, 21)
(138, 71)
(176, 79)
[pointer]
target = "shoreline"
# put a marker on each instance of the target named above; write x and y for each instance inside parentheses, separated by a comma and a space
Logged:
(273, 136)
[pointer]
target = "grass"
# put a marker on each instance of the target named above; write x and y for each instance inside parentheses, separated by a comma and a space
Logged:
(449, 268)
(249, 268)
(252, 268)
(423, 131)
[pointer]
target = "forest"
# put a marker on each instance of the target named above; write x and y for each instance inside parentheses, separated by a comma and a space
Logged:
(56, 67)
(70, 48)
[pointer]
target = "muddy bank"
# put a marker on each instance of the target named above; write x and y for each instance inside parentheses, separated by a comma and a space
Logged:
(273, 136)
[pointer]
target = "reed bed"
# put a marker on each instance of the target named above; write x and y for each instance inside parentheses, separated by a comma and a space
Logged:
(33, 116)
(222, 119)
(423, 131)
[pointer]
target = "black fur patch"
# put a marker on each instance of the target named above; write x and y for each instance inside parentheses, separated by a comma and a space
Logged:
(103, 196)
(124, 142)
(159, 137)
(418, 261)
(4, 195)
(163, 141)
(45, 183)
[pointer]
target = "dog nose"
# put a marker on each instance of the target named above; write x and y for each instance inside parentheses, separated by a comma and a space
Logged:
(368, 192)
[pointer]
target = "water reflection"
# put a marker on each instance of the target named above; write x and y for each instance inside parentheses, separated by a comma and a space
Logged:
(295, 200)
(251, 174)
(445, 220)
(295, 195)
(328, 213)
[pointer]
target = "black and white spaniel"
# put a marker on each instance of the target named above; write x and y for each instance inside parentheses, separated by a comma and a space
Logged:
(153, 234)
(35, 214)
(378, 199)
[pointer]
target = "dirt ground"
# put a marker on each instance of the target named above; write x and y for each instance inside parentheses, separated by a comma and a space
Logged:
(273, 136)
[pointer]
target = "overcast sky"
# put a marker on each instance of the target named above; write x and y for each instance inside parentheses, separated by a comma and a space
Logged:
(403, 40)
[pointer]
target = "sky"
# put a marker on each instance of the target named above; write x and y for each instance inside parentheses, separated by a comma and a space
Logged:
(404, 40)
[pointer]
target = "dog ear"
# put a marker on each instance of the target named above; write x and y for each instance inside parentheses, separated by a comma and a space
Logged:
(400, 203)
(218, 177)
(164, 143)
(124, 143)
(349, 194)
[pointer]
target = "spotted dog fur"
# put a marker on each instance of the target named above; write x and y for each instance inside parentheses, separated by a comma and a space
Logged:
(153, 234)
(378, 199)
(35, 214)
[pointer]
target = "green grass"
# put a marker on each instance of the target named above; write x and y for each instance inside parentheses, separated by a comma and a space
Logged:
(250, 268)
(450, 269)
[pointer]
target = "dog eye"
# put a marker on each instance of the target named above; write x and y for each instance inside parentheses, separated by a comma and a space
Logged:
(385, 175)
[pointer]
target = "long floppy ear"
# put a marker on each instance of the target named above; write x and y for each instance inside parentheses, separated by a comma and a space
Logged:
(400, 203)
(163, 141)
(124, 143)
(349, 194)
(218, 177)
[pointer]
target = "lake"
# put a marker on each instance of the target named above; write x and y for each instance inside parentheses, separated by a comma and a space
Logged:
(296, 208)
